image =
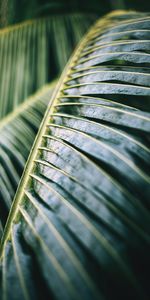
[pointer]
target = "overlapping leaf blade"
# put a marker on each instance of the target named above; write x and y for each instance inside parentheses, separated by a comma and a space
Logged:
(17, 132)
(35, 52)
(80, 219)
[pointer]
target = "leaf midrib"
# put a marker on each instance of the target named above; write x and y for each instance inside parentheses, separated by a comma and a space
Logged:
(30, 162)
(25, 105)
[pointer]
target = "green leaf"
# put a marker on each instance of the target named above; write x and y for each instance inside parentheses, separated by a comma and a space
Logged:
(79, 224)
(17, 132)
(35, 52)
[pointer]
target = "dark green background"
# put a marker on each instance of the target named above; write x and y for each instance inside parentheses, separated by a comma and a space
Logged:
(14, 11)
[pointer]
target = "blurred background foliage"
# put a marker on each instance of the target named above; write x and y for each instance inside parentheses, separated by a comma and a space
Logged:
(35, 52)
(14, 11)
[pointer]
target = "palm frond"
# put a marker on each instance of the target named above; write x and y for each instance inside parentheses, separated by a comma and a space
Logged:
(17, 132)
(79, 223)
(34, 52)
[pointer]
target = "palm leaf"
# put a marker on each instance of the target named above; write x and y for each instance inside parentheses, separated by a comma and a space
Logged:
(34, 52)
(79, 224)
(17, 132)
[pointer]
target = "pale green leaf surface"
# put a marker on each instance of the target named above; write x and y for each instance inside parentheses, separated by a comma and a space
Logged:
(79, 224)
